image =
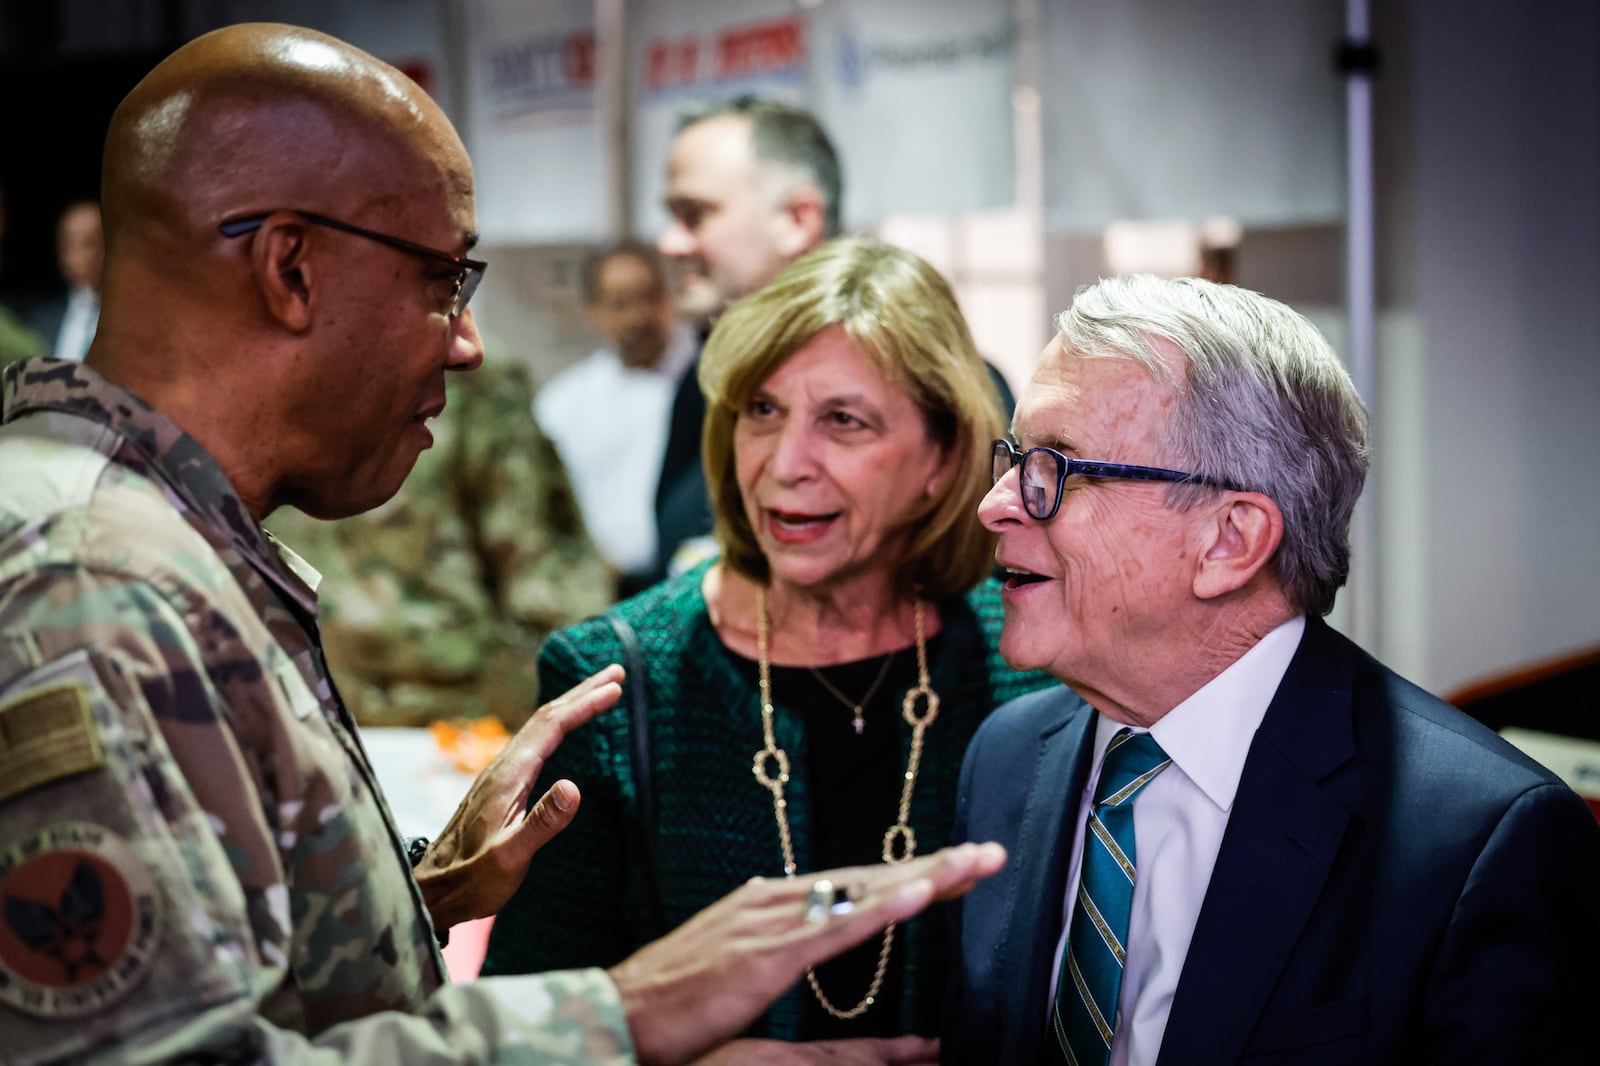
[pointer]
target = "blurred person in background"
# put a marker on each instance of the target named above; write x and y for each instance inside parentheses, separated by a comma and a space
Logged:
(68, 322)
(752, 185)
(607, 414)
(845, 640)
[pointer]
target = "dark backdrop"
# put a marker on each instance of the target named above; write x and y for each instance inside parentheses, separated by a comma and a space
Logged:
(53, 113)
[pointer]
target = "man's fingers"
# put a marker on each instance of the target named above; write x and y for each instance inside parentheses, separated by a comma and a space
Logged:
(595, 693)
(550, 815)
(706, 980)
(543, 732)
(955, 870)
(908, 1050)
(884, 894)
(952, 871)
(581, 692)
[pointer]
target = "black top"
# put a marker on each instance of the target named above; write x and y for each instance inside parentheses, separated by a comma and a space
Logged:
(854, 783)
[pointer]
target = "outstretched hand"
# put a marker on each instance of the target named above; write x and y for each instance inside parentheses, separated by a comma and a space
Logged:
(477, 862)
(704, 982)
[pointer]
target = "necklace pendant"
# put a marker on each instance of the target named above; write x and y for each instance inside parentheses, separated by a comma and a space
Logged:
(859, 722)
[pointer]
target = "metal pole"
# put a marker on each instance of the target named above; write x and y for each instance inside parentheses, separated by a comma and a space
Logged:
(1028, 132)
(1356, 64)
(613, 96)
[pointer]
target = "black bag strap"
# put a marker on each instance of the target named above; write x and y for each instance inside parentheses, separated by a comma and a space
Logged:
(643, 767)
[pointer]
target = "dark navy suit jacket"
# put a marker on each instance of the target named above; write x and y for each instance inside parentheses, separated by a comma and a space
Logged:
(1396, 884)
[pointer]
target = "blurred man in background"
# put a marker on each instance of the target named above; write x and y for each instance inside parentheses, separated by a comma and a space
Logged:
(608, 413)
(68, 322)
(752, 185)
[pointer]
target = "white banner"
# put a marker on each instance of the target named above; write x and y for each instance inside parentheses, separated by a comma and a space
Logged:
(917, 96)
(921, 117)
(688, 51)
(1170, 109)
(533, 128)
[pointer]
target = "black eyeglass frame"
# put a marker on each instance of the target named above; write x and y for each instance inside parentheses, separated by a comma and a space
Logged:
(1066, 466)
(470, 271)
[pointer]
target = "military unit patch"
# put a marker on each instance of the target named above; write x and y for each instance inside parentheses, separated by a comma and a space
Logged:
(79, 921)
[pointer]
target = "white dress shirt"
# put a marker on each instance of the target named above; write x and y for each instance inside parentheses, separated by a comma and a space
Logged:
(78, 324)
(1178, 822)
(609, 424)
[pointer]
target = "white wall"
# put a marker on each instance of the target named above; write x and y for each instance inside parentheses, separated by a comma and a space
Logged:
(1505, 137)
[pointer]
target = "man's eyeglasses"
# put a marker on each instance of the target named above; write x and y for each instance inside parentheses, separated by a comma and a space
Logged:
(1045, 472)
(468, 271)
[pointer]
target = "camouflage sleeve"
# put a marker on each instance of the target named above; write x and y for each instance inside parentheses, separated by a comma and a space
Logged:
(567, 1018)
(146, 821)
(547, 571)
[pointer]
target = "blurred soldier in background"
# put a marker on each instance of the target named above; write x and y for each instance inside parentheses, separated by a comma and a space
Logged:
(67, 323)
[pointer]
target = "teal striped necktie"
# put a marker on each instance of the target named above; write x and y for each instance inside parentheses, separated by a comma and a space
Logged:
(1085, 1009)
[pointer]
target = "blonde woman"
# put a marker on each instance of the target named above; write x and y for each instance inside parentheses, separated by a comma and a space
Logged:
(812, 689)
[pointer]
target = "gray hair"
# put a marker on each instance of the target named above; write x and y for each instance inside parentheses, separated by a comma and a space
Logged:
(784, 136)
(1264, 404)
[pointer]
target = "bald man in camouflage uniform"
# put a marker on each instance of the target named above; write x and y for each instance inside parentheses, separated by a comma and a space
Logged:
(196, 861)
(434, 604)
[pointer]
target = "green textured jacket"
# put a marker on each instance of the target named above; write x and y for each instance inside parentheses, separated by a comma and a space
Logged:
(584, 902)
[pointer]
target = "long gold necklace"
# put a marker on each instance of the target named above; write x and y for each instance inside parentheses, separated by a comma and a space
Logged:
(771, 769)
(858, 706)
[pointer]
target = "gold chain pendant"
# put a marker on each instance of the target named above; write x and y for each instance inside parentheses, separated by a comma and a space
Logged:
(771, 770)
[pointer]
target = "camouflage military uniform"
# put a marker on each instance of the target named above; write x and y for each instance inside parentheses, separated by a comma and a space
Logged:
(434, 605)
(194, 855)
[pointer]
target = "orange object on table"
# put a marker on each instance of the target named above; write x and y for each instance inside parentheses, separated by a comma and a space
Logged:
(470, 743)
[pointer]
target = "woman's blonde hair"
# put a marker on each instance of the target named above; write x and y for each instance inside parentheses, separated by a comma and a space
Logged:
(900, 314)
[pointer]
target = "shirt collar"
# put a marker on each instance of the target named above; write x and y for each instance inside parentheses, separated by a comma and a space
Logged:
(1208, 735)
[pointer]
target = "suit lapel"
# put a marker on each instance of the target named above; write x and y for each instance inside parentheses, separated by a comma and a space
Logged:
(1281, 840)
(1038, 886)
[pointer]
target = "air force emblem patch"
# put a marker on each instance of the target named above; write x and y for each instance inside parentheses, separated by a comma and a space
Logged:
(79, 921)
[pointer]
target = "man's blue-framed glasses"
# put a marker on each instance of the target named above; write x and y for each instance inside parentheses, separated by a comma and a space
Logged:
(1045, 472)
(469, 272)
